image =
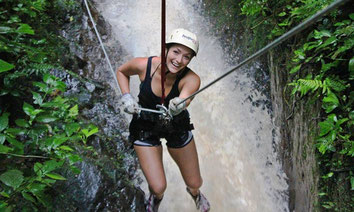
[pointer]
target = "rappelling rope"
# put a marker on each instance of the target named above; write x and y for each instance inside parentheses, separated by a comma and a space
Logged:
(117, 89)
(163, 56)
(273, 44)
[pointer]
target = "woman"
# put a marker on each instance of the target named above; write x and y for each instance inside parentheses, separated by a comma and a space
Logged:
(146, 128)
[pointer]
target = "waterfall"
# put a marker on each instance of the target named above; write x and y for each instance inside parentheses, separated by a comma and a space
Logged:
(236, 140)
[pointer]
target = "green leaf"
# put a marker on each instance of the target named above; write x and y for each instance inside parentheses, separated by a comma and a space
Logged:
(351, 65)
(55, 176)
(4, 194)
(66, 148)
(22, 123)
(59, 140)
(351, 15)
(12, 178)
(329, 41)
(6, 30)
(28, 197)
(37, 98)
(5, 66)
(325, 127)
(51, 165)
(25, 29)
(36, 188)
(38, 169)
(15, 143)
(74, 158)
(88, 133)
(49, 79)
(4, 208)
(351, 114)
(282, 14)
(4, 121)
(74, 111)
(321, 34)
(28, 109)
(61, 86)
(46, 118)
(5, 149)
(295, 69)
(330, 102)
(2, 138)
(352, 182)
(42, 87)
(71, 128)
(16, 131)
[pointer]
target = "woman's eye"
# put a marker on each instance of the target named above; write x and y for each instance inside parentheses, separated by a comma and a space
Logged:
(187, 57)
(175, 51)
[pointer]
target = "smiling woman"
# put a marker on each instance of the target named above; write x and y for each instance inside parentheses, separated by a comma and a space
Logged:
(146, 129)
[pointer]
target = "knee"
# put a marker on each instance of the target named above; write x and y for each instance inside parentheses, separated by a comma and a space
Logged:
(195, 183)
(158, 188)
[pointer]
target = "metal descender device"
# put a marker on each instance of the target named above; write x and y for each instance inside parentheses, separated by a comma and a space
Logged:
(164, 113)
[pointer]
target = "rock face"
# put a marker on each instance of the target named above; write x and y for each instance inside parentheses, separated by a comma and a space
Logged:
(107, 179)
(297, 144)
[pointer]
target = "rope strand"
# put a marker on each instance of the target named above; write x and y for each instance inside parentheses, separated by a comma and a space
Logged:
(163, 56)
(117, 89)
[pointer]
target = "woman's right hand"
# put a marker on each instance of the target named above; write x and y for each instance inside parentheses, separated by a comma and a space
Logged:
(129, 103)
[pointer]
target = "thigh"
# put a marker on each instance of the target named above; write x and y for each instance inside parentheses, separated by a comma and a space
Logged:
(150, 159)
(187, 161)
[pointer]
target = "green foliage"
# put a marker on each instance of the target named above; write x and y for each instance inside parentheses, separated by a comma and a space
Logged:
(326, 60)
(329, 50)
(49, 129)
(274, 18)
(39, 128)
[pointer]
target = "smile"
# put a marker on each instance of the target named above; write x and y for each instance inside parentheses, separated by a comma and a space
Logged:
(175, 64)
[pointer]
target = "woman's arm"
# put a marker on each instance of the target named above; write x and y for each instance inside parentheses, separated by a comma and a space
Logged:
(135, 66)
(189, 85)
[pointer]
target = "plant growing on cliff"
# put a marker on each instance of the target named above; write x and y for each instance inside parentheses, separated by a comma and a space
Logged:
(322, 69)
(328, 50)
(39, 128)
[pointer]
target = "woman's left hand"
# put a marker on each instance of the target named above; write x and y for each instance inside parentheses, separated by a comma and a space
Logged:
(175, 107)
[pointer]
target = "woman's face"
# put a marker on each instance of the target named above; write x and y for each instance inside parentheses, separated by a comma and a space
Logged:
(178, 57)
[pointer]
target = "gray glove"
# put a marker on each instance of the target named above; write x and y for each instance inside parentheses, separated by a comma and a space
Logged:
(175, 108)
(129, 103)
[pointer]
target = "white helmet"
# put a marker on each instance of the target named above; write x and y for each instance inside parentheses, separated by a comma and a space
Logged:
(184, 37)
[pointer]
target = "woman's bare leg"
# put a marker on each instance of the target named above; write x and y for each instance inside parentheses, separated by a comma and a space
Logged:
(187, 161)
(150, 159)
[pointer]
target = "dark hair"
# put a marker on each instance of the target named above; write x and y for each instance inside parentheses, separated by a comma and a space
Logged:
(168, 46)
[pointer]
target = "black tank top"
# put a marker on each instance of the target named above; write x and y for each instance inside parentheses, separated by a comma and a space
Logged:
(147, 99)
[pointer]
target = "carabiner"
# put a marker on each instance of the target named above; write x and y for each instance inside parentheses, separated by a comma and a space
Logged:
(166, 115)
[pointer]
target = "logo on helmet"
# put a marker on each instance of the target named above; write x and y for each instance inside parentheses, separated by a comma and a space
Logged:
(189, 38)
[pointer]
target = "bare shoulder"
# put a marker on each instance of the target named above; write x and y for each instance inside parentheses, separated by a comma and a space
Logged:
(139, 63)
(191, 81)
(135, 66)
(193, 77)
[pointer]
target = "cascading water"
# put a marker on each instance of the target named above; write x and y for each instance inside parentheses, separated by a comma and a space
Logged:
(235, 139)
